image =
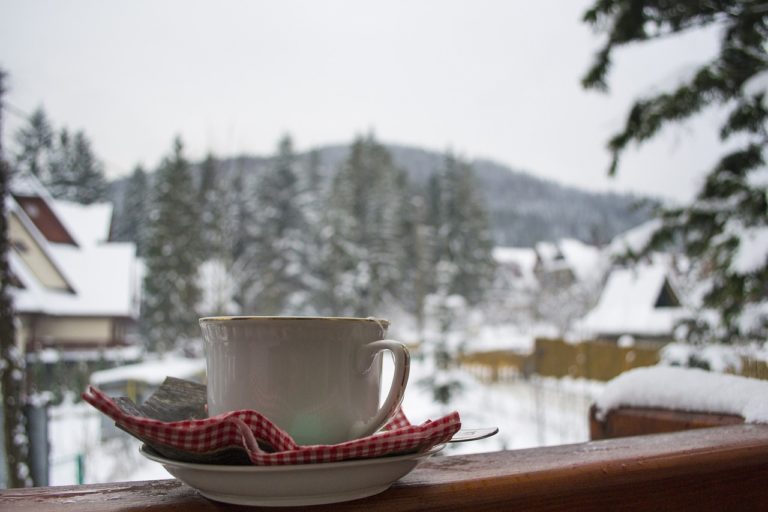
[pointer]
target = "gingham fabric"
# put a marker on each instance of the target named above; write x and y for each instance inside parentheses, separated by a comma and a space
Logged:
(244, 428)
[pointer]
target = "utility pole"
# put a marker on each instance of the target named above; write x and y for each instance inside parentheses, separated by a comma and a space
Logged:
(12, 364)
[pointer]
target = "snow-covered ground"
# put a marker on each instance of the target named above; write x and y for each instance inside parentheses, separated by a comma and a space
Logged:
(75, 432)
(528, 413)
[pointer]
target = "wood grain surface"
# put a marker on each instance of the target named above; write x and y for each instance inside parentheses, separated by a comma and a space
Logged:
(722, 468)
(637, 421)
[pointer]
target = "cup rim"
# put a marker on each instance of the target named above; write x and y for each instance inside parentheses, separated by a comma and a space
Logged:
(226, 319)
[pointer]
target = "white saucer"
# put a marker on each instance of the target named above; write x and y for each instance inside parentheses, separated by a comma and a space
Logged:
(293, 485)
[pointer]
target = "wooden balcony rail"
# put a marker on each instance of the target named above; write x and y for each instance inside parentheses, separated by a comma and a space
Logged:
(637, 421)
(721, 468)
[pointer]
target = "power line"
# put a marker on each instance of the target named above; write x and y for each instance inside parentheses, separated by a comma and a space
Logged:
(13, 109)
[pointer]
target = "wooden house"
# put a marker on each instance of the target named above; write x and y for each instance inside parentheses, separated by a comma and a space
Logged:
(73, 289)
(640, 301)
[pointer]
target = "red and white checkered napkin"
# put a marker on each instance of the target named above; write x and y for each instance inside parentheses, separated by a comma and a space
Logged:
(241, 429)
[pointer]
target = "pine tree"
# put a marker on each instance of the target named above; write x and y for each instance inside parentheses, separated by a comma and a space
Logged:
(131, 224)
(720, 230)
(311, 201)
(313, 179)
(418, 266)
(12, 364)
(366, 255)
(35, 143)
(278, 252)
(211, 202)
(89, 183)
(172, 256)
(59, 177)
(463, 239)
(64, 163)
(74, 172)
(239, 230)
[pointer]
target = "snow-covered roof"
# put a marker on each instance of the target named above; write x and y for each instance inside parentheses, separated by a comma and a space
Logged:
(523, 256)
(89, 224)
(627, 304)
(585, 261)
(547, 251)
(152, 372)
(520, 260)
(688, 389)
(103, 275)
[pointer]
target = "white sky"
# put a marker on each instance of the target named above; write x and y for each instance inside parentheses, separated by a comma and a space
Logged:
(490, 79)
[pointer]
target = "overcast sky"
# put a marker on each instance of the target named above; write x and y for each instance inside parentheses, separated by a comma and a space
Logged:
(490, 79)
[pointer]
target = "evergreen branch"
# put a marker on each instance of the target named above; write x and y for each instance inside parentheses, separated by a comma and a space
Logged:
(631, 21)
(749, 116)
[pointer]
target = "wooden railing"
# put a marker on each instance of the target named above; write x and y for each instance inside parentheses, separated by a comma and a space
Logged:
(722, 468)
(638, 421)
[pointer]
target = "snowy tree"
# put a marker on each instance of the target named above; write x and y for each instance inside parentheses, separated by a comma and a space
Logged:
(35, 143)
(131, 224)
(444, 335)
(463, 239)
(172, 256)
(87, 173)
(365, 257)
(311, 178)
(74, 172)
(239, 231)
(65, 164)
(59, 179)
(561, 303)
(418, 269)
(311, 201)
(11, 359)
(277, 254)
(724, 230)
(217, 231)
(211, 201)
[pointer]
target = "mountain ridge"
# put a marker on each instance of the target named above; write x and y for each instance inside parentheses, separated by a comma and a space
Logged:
(523, 209)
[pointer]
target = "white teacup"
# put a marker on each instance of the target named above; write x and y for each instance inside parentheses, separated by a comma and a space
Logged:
(318, 378)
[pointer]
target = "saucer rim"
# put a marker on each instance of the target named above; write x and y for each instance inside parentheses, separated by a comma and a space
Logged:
(150, 454)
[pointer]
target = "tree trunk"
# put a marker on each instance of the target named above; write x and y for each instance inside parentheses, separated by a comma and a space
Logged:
(11, 358)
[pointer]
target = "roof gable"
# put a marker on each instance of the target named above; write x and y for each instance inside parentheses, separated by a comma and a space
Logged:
(638, 300)
(47, 222)
(667, 297)
(33, 250)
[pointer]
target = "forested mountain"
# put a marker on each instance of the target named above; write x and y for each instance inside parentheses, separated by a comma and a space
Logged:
(524, 209)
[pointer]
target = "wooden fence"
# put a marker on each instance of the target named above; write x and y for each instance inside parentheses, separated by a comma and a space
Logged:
(594, 360)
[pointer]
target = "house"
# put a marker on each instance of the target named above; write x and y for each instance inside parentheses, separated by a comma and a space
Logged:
(73, 289)
(566, 261)
(639, 301)
(515, 266)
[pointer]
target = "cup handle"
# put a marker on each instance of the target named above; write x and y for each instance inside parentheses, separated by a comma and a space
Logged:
(399, 379)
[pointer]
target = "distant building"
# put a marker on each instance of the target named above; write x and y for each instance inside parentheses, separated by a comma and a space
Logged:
(73, 289)
(639, 301)
(515, 265)
(565, 262)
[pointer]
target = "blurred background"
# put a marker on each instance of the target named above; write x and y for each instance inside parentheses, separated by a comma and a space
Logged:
(450, 166)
